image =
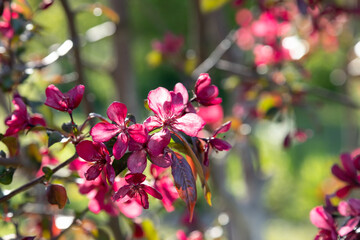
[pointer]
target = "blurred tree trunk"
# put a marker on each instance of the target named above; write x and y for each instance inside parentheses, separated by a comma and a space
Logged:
(123, 74)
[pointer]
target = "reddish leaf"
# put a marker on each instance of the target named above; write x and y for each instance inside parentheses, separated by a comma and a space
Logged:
(184, 181)
(56, 194)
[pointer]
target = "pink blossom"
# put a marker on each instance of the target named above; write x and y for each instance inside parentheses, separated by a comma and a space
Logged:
(104, 131)
(194, 235)
(137, 190)
(216, 143)
(153, 147)
(20, 119)
(97, 153)
(5, 25)
(170, 113)
(325, 222)
(212, 115)
(206, 93)
(170, 45)
(165, 186)
(65, 102)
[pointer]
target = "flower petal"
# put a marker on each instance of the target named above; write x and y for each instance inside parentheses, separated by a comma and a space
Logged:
(75, 96)
(153, 122)
(321, 219)
(158, 142)
(190, 124)
(135, 178)
(117, 112)
(220, 144)
(152, 191)
(93, 171)
(138, 133)
(55, 98)
(110, 173)
(137, 161)
(120, 145)
(90, 151)
(223, 128)
(104, 131)
(180, 88)
(122, 192)
(162, 160)
(348, 164)
(156, 100)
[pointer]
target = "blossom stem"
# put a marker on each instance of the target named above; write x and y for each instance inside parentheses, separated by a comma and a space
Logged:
(36, 180)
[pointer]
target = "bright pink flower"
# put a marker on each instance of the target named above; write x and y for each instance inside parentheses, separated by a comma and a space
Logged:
(348, 175)
(153, 147)
(212, 115)
(170, 45)
(137, 190)
(165, 186)
(20, 119)
(170, 113)
(206, 93)
(104, 131)
(325, 222)
(5, 25)
(65, 102)
(216, 143)
(96, 152)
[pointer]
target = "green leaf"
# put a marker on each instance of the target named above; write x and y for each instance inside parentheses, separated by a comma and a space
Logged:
(178, 147)
(54, 137)
(48, 172)
(6, 175)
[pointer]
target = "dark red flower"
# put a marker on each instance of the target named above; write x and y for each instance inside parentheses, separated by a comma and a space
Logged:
(65, 102)
(216, 143)
(206, 93)
(96, 152)
(20, 119)
(348, 175)
(136, 189)
(104, 131)
(153, 147)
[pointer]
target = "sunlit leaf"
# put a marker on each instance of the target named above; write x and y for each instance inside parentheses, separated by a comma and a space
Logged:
(184, 182)
(48, 172)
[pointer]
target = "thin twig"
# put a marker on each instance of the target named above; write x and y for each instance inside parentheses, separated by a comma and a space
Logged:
(37, 180)
(215, 56)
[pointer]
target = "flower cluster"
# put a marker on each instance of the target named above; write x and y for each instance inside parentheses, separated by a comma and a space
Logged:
(325, 218)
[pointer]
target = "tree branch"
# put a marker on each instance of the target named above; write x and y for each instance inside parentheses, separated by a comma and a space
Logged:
(37, 180)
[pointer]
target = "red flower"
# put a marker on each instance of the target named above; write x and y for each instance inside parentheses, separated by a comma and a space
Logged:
(96, 152)
(216, 143)
(65, 102)
(206, 93)
(154, 147)
(348, 174)
(20, 119)
(136, 189)
(104, 131)
(170, 45)
(170, 113)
